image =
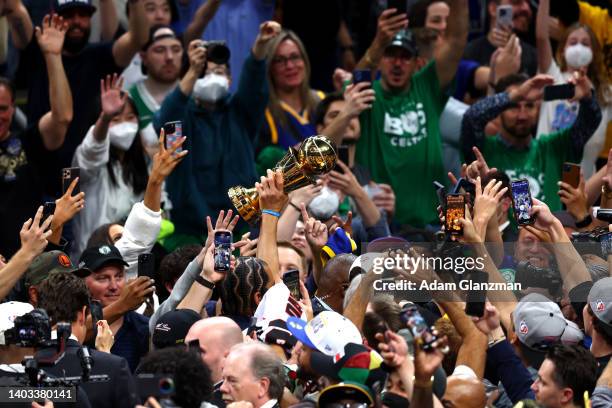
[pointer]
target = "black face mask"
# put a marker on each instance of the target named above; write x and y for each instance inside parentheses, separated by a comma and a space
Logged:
(391, 400)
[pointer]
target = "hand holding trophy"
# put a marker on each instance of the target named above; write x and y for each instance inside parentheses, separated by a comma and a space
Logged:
(315, 156)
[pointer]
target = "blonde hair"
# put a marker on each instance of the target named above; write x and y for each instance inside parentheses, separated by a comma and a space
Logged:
(596, 71)
(307, 96)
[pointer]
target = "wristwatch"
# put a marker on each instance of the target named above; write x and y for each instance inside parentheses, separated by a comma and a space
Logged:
(205, 282)
(585, 222)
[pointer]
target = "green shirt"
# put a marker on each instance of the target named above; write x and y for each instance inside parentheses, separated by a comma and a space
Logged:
(145, 104)
(541, 164)
(400, 145)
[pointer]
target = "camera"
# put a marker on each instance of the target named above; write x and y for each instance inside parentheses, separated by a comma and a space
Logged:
(217, 51)
(31, 330)
(597, 241)
(529, 275)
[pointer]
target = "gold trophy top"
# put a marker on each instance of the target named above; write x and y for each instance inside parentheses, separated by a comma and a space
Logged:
(317, 155)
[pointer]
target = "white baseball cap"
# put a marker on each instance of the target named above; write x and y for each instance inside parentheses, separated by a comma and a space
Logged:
(9, 311)
(328, 333)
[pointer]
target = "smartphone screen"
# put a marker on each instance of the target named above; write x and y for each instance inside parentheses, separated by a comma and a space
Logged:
(173, 132)
(342, 156)
(292, 280)
(48, 210)
(571, 174)
(96, 314)
(223, 250)
(455, 210)
(422, 333)
(475, 299)
(521, 201)
(504, 16)
(555, 92)
(146, 265)
(68, 176)
(362, 75)
(606, 244)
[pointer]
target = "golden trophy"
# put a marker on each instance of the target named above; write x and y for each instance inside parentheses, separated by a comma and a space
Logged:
(315, 156)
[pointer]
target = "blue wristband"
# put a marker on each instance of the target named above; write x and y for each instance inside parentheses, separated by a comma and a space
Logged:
(271, 212)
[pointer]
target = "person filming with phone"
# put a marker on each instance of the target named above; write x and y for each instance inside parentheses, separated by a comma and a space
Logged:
(220, 129)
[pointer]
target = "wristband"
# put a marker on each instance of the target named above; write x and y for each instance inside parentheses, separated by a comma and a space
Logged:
(585, 222)
(423, 383)
(271, 212)
(205, 282)
(298, 209)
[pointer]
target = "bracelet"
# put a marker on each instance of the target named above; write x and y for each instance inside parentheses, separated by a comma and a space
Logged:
(606, 192)
(423, 384)
(271, 212)
(493, 342)
(585, 222)
(204, 282)
(298, 209)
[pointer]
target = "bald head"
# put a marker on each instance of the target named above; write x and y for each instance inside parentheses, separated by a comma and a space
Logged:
(334, 280)
(217, 335)
(464, 392)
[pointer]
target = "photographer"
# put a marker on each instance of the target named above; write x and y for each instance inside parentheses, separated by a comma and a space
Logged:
(66, 299)
(220, 129)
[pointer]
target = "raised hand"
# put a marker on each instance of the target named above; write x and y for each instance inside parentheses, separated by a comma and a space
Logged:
(67, 206)
(267, 31)
(208, 268)
(490, 321)
(532, 89)
(425, 363)
(224, 222)
(166, 160)
(507, 60)
(485, 203)
(197, 56)
(34, 235)
(544, 219)
(575, 199)
(250, 246)
(104, 338)
(385, 199)
(344, 181)
(393, 348)
(389, 24)
(50, 35)
(304, 195)
(583, 86)
(357, 98)
(347, 225)
(316, 231)
(111, 96)
(271, 194)
(479, 167)
(135, 292)
(340, 77)
(501, 36)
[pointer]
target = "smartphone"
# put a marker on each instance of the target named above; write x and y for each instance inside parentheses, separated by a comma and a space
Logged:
(465, 186)
(504, 16)
(146, 265)
(400, 5)
(223, 250)
(96, 314)
(475, 299)
(153, 385)
(521, 201)
(319, 306)
(554, 92)
(455, 210)
(342, 156)
(441, 194)
(571, 174)
(362, 75)
(423, 336)
(292, 280)
(173, 132)
(48, 210)
(68, 176)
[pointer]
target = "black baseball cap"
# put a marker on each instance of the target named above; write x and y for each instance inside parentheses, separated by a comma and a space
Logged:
(64, 5)
(96, 257)
(405, 40)
(172, 328)
(51, 262)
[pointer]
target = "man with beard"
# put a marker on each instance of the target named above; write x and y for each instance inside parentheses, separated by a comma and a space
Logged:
(516, 150)
(85, 64)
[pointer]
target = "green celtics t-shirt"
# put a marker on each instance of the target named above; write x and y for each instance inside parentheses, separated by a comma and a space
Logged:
(400, 145)
(541, 163)
(145, 104)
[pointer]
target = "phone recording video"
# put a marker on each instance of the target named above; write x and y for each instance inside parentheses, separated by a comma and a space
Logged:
(223, 250)
(476, 299)
(68, 176)
(362, 75)
(400, 5)
(521, 201)
(173, 131)
(504, 15)
(423, 335)
(455, 210)
(146, 265)
(291, 279)
(556, 92)
(571, 174)
(343, 156)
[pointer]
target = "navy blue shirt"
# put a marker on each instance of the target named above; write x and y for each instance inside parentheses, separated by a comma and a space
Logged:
(132, 339)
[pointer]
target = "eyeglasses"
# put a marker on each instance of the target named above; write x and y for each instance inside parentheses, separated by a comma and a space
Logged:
(293, 58)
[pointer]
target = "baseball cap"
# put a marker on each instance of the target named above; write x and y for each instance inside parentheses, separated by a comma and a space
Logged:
(572, 335)
(404, 39)
(50, 262)
(600, 300)
(96, 257)
(538, 322)
(158, 32)
(345, 391)
(328, 332)
(63, 5)
(276, 332)
(358, 363)
(9, 311)
(172, 327)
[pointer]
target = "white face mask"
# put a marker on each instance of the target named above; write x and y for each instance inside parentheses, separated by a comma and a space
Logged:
(212, 88)
(122, 135)
(323, 206)
(578, 56)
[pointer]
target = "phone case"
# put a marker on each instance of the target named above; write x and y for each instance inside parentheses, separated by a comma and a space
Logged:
(455, 209)
(68, 176)
(571, 174)
(521, 201)
(173, 132)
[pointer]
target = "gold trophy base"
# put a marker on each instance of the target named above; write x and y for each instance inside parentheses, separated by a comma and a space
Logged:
(246, 201)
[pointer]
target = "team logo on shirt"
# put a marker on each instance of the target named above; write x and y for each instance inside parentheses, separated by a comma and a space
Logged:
(407, 129)
(523, 329)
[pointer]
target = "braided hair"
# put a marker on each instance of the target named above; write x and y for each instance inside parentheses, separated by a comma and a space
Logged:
(240, 285)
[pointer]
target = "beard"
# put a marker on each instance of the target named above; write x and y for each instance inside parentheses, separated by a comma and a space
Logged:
(74, 45)
(517, 131)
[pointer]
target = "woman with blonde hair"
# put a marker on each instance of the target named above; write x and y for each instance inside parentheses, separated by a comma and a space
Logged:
(578, 53)
(289, 116)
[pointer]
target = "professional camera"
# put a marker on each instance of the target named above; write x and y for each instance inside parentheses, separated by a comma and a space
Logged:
(532, 276)
(217, 51)
(161, 387)
(31, 330)
(597, 241)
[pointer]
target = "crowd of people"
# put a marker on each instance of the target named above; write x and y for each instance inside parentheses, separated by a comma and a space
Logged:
(463, 130)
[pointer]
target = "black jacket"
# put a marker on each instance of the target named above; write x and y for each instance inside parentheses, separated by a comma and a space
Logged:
(118, 391)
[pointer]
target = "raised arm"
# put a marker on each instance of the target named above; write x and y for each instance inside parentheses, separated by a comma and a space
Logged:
(273, 199)
(109, 20)
(389, 24)
(19, 21)
(589, 114)
(113, 101)
(545, 53)
(203, 15)
(197, 62)
(455, 39)
(54, 124)
(135, 38)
